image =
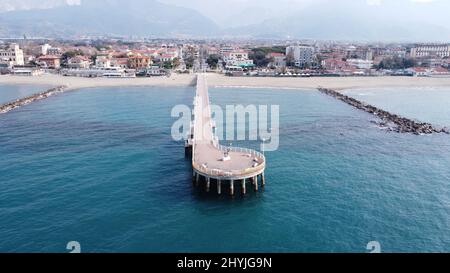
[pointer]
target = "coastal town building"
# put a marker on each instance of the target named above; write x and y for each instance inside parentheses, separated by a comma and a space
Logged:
(103, 60)
(332, 64)
(155, 71)
(397, 52)
(26, 71)
(226, 49)
(419, 71)
(139, 62)
(121, 62)
(49, 61)
(300, 55)
(54, 51)
(431, 50)
(439, 72)
(360, 63)
(237, 58)
(79, 62)
(167, 57)
(360, 52)
(45, 48)
(277, 60)
(213, 51)
(429, 72)
(12, 55)
(175, 52)
(104, 72)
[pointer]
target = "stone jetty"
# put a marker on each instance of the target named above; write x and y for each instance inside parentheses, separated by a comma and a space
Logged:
(5, 108)
(390, 121)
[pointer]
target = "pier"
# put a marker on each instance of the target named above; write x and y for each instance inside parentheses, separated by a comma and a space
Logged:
(390, 121)
(5, 108)
(216, 167)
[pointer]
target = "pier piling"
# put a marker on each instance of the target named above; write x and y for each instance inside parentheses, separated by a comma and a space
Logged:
(208, 184)
(197, 180)
(219, 187)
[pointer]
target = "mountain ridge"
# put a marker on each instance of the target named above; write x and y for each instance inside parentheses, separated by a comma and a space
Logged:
(346, 20)
(110, 17)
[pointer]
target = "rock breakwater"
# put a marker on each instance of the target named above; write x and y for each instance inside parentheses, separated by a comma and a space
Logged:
(390, 121)
(5, 108)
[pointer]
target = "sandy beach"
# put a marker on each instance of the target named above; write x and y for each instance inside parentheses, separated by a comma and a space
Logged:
(80, 83)
(216, 80)
(337, 83)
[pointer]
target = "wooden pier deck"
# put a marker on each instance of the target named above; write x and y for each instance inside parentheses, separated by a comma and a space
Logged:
(214, 163)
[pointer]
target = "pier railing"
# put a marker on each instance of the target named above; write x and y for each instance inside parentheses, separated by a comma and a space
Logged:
(231, 174)
(259, 159)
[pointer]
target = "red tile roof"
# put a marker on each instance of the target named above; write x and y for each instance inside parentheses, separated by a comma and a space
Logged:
(275, 54)
(165, 56)
(49, 57)
(440, 70)
(419, 69)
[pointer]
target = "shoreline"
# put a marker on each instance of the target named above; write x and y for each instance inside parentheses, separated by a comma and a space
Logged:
(76, 83)
(335, 83)
(221, 81)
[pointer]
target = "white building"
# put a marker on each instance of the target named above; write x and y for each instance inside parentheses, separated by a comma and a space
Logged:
(103, 60)
(12, 56)
(109, 72)
(226, 49)
(155, 71)
(45, 48)
(277, 60)
(27, 71)
(237, 58)
(55, 51)
(419, 71)
(167, 57)
(431, 51)
(80, 62)
(360, 63)
(302, 55)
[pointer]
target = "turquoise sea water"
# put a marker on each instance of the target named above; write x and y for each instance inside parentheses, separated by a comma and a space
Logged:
(99, 167)
(9, 93)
